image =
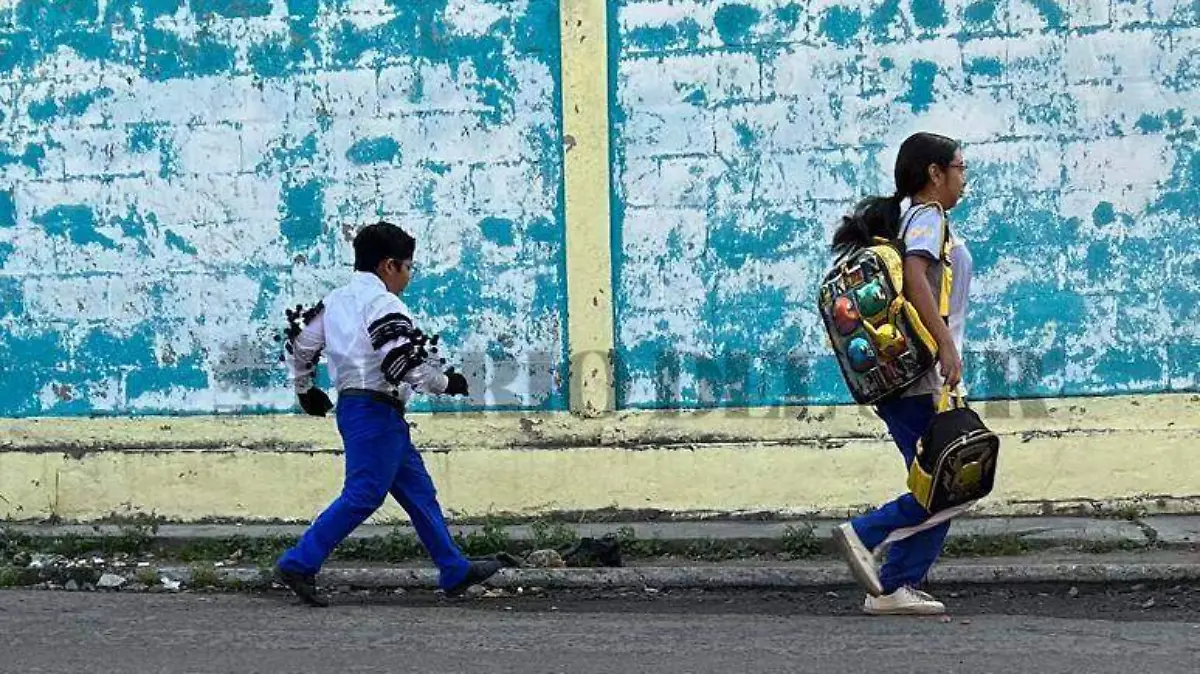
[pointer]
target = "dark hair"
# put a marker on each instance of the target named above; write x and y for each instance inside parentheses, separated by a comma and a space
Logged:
(375, 243)
(880, 216)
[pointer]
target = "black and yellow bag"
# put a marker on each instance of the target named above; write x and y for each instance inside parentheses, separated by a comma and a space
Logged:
(881, 344)
(956, 458)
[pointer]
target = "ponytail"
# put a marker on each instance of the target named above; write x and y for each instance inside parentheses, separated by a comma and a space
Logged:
(880, 216)
(873, 216)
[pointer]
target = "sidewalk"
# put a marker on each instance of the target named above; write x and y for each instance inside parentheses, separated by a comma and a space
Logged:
(1038, 532)
(694, 554)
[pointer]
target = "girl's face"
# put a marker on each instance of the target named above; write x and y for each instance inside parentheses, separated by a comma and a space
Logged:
(949, 182)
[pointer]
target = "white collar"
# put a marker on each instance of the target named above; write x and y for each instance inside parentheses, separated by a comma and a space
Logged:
(369, 279)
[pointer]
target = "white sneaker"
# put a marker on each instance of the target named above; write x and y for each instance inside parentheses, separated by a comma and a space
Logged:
(905, 601)
(860, 559)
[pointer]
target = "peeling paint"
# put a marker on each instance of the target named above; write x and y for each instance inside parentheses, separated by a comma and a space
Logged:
(174, 174)
(775, 460)
(180, 172)
(1084, 188)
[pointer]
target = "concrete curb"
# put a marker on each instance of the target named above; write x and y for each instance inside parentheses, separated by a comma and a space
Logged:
(1149, 567)
(772, 577)
(1181, 530)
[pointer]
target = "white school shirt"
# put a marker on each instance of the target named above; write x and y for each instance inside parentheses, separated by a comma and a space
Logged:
(922, 231)
(356, 327)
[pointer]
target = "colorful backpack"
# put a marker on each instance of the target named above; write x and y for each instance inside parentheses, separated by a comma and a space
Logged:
(882, 347)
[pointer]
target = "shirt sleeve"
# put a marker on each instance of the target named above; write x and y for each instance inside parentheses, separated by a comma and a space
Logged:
(305, 341)
(407, 358)
(923, 235)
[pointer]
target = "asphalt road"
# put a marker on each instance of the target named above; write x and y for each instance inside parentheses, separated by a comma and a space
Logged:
(1009, 630)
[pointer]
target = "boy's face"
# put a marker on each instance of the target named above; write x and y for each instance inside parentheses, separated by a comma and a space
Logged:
(395, 274)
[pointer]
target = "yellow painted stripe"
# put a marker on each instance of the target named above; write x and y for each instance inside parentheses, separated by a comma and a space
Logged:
(1059, 454)
(588, 228)
(1040, 476)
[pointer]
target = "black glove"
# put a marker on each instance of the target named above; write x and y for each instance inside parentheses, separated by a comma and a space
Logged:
(315, 402)
(457, 385)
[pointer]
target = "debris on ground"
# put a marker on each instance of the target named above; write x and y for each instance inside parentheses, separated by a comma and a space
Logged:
(545, 559)
(111, 581)
(590, 552)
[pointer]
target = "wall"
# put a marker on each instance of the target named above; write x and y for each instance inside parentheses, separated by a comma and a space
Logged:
(742, 131)
(173, 175)
(737, 134)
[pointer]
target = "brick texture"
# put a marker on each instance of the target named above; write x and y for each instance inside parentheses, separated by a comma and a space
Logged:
(173, 175)
(743, 130)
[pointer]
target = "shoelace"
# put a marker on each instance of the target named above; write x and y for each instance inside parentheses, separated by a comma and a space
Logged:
(923, 595)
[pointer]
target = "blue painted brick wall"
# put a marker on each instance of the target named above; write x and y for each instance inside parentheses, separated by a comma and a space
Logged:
(743, 130)
(174, 174)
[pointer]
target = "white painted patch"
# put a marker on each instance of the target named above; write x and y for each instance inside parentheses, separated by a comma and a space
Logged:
(468, 17)
(1108, 54)
(491, 188)
(668, 131)
(802, 71)
(655, 13)
(1089, 13)
(995, 283)
(664, 80)
(184, 24)
(652, 235)
(1027, 166)
(1131, 167)
(441, 89)
(535, 98)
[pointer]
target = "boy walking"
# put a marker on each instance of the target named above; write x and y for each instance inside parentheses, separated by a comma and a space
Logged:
(377, 358)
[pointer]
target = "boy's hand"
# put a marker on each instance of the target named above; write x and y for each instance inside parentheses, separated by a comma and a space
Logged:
(457, 385)
(314, 402)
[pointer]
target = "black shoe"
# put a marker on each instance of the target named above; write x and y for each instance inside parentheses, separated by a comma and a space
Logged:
(304, 586)
(479, 572)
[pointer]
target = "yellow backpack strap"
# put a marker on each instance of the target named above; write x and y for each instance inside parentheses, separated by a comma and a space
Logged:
(949, 399)
(947, 270)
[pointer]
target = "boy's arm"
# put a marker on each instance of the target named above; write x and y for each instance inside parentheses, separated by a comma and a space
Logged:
(410, 356)
(305, 341)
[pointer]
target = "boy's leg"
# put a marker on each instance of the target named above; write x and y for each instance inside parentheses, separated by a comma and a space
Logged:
(413, 489)
(373, 452)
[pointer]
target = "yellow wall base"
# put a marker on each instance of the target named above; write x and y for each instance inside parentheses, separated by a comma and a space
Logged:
(1055, 454)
